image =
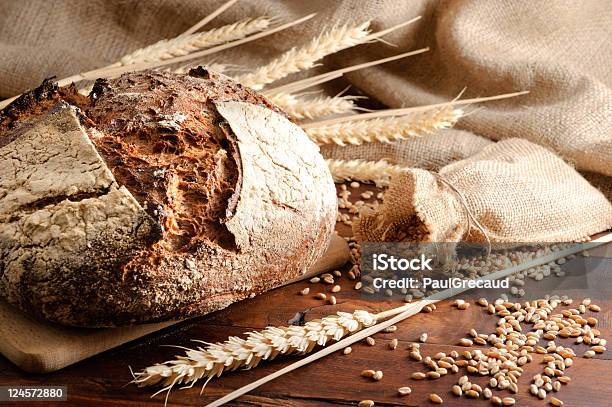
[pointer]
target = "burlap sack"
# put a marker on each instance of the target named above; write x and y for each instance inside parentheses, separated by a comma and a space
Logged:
(489, 46)
(512, 191)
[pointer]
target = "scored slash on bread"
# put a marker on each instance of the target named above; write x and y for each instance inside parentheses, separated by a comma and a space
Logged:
(159, 196)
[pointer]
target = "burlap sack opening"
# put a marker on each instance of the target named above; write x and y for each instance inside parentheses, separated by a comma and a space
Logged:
(516, 190)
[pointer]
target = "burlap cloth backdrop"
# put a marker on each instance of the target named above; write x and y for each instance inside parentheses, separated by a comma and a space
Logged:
(559, 50)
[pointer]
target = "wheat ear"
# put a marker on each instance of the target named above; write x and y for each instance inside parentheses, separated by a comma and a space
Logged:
(186, 44)
(301, 108)
(216, 358)
(298, 59)
(385, 130)
(378, 172)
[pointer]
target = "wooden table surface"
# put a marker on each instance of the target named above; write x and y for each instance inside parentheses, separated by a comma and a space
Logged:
(334, 380)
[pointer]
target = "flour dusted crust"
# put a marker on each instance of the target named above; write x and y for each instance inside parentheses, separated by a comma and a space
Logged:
(160, 196)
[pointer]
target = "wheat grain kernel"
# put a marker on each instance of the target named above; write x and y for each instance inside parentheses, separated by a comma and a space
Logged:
(465, 342)
(482, 302)
(315, 280)
(496, 401)
(423, 337)
(556, 402)
(542, 394)
(434, 398)
(368, 373)
(305, 291)
(445, 364)
(366, 403)
(337, 273)
(588, 354)
(391, 328)
(328, 279)
(416, 356)
(508, 401)
(457, 391)
(335, 288)
(321, 296)
(463, 306)
(332, 300)
(594, 308)
(393, 344)
(378, 375)
(598, 349)
(487, 393)
(472, 394)
(418, 376)
(565, 379)
(433, 375)
(404, 391)
(358, 285)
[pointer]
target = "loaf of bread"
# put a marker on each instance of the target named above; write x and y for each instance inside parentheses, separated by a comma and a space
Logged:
(158, 196)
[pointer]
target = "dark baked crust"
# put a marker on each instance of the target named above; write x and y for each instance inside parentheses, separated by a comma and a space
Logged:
(162, 138)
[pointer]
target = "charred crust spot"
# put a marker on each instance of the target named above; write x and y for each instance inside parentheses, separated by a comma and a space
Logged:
(37, 102)
(199, 72)
(48, 90)
(100, 86)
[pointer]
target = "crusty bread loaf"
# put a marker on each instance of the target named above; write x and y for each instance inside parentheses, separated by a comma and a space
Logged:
(158, 196)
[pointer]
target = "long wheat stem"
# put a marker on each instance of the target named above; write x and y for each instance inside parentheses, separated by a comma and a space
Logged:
(298, 59)
(186, 44)
(378, 172)
(301, 108)
(209, 17)
(384, 130)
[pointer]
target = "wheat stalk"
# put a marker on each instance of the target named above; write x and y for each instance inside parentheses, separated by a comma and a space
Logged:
(378, 172)
(301, 108)
(216, 358)
(209, 17)
(186, 44)
(298, 59)
(385, 130)
(328, 76)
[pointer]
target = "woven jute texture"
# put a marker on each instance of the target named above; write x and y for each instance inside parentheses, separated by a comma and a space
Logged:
(515, 190)
(560, 51)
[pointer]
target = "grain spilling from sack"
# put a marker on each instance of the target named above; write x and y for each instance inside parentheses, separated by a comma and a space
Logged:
(515, 190)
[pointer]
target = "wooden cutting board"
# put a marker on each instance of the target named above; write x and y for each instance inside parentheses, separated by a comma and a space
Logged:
(39, 346)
